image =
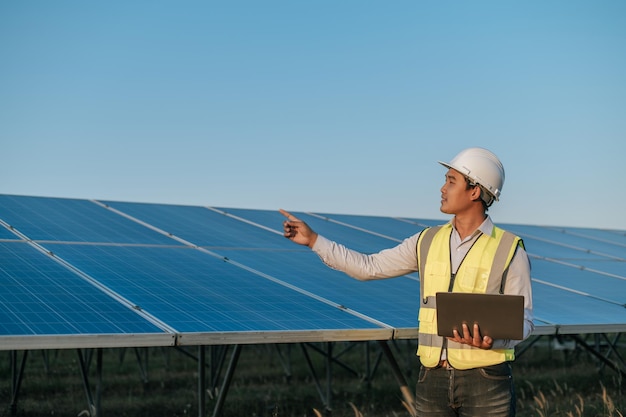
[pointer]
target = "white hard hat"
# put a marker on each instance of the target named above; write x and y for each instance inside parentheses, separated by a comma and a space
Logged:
(482, 167)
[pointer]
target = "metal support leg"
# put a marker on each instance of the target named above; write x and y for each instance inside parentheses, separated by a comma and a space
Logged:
(334, 359)
(527, 346)
(143, 364)
(329, 377)
(612, 348)
(227, 379)
(406, 393)
(16, 379)
(201, 381)
(285, 360)
(92, 403)
(598, 355)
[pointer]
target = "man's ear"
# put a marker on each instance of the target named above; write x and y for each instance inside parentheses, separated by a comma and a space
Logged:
(475, 193)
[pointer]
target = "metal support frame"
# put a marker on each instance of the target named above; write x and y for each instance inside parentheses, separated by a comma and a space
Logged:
(93, 401)
(334, 358)
(324, 390)
(604, 348)
(17, 376)
(234, 359)
(285, 361)
(201, 381)
(409, 401)
(604, 358)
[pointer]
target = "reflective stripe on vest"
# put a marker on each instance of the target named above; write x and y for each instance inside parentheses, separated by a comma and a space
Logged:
(481, 271)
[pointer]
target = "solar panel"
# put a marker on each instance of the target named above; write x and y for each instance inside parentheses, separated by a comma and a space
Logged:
(211, 275)
(590, 273)
(573, 313)
(202, 226)
(359, 240)
(561, 244)
(71, 220)
(40, 297)
(195, 292)
(7, 234)
(394, 302)
(615, 236)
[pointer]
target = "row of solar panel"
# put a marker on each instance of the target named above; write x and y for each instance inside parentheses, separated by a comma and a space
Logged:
(87, 269)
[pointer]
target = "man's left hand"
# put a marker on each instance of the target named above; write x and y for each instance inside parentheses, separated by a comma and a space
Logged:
(476, 340)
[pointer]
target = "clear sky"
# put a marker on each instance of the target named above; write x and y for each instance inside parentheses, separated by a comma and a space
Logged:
(325, 106)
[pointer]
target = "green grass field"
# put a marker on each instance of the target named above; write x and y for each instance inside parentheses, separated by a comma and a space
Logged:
(549, 382)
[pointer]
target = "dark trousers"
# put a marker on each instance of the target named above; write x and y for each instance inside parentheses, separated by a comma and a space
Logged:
(480, 392)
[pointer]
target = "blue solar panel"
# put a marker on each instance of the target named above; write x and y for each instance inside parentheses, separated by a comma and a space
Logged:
(359, 240)
(595, 274)
(387, 226)
(70, 220)
(7, 235)
(195, 292)
(560, 244)
(239, 275)
(598, 285)
(615, 236)
(568, 309)
(394, 302)
(201, 226)
(41, 297)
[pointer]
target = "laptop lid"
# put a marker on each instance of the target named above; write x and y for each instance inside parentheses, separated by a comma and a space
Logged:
(499, 316)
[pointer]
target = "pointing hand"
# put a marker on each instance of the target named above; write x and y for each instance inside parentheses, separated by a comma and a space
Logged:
(298, 231)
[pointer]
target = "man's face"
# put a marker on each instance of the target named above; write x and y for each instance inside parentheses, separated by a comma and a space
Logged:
(456, 196)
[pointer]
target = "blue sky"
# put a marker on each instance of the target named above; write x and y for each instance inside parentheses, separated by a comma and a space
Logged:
(326, 106)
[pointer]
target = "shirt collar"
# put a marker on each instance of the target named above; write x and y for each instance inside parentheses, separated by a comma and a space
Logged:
(486, 227)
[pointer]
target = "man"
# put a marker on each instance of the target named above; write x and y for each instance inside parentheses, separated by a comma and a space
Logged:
(464, 375)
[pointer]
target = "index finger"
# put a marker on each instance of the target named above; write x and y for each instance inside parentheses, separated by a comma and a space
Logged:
(288, 215)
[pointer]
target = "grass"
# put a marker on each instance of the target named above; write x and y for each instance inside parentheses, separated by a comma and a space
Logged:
(548, 383)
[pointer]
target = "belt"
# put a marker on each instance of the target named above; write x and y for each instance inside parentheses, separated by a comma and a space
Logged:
(444, 364)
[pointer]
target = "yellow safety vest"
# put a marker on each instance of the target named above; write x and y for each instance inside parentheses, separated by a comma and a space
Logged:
(481, 271)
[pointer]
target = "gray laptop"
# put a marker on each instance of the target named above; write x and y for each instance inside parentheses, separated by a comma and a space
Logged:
(499, 316)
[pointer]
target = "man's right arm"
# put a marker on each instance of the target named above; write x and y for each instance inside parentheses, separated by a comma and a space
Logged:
(389, 263)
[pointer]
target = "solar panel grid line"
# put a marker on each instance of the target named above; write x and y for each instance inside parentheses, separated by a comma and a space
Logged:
(419, 223)
(259, 273)
(545, 328)
(249, 269)
(224, 237)
(587, 235)
(241, 219)
(564, 288)
(13, 231)
(142, 223)
(579, 267)
(319, 216)
(104, 289)
(120, 245)
(576, 248)
(597, 239)
(304, 292)
(362, 229)
(411, 221)
(196, 247)
(42, 299)
(209, 296)
(65, 219)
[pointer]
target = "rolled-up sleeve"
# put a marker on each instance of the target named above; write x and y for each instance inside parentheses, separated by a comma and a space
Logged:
(389, 263)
